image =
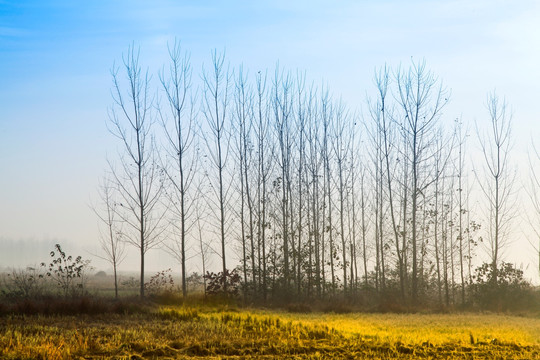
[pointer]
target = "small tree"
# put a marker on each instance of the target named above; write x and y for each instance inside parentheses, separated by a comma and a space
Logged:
(223, 283)
(111, 240)
(67, 272)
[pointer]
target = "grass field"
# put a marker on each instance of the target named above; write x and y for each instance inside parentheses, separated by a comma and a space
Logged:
(221, 332)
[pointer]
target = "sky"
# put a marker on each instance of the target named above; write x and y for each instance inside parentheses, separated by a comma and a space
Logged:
(55, 83)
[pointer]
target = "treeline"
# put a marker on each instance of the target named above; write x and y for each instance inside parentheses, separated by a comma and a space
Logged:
(301, 197)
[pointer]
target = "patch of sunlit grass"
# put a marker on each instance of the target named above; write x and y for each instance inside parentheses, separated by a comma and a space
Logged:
(437, 329)
(191, 331)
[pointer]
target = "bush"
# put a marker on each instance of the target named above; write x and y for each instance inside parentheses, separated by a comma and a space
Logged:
(159, 284)
(131, 283)
(195, 282)
(67, 272)
(227, 284)
(26, 283)
(508, 290)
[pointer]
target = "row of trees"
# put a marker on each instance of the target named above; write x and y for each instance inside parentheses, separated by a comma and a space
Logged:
(277, 177)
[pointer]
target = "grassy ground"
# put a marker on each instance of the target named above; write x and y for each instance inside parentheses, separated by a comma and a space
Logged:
(219, 332)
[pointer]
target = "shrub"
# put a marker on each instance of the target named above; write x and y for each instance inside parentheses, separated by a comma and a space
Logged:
(216, 283)
(67, 272)
(26, 283)
(130, 283)
(195, 282)
(161, 283)
(510, 291)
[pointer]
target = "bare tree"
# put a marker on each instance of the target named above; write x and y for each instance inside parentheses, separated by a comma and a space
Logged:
(327, 116)
(179, 130)
(264, 167)
(533, 191)
(500, 176)
(215, 110)
(282, 106)
(421, 98)
(460, 166)
(138, 181)
(243, 116)
(111, 241)
(341, 144)
(313, 173)
(201, 221)
(382, 137)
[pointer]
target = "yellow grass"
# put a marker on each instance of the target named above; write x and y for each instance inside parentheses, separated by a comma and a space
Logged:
(438, 329)
(196, 332)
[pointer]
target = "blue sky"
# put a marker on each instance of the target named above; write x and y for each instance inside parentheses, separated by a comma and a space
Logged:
(56, 56)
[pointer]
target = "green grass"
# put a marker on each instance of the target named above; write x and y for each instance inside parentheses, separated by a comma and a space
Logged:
(196, 331)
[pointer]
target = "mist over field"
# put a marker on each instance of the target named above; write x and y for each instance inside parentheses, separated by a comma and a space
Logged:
(305, 159)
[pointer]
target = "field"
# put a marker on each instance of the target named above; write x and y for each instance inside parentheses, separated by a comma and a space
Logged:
(198, 331)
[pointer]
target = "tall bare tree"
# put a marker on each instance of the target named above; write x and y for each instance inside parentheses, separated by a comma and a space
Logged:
(313, 167)
(460, 167)
(264, 167)
(327, 117)
(282, 107)
(421, 98)
(243, 121)
(179, 128)
(341, 144)
(215, 110)
(500, 176)
(138, 180)
(383, 137)
(533, 192)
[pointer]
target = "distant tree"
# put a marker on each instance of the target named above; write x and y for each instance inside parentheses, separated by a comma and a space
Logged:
(204, 248)
(111, 238)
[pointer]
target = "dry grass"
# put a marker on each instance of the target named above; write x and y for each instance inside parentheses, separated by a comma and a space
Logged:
(194, 332)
